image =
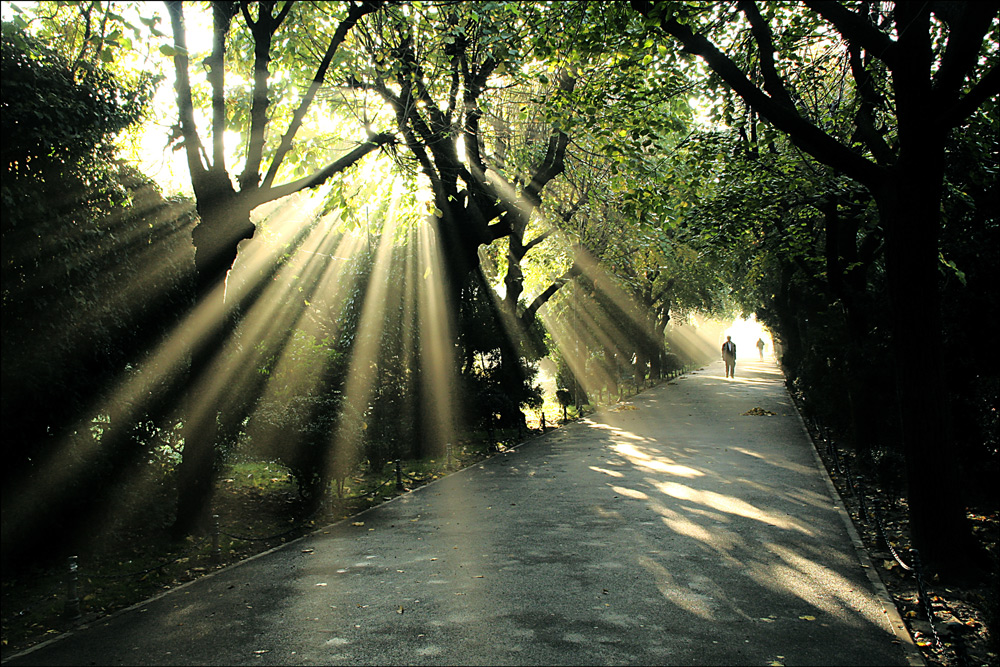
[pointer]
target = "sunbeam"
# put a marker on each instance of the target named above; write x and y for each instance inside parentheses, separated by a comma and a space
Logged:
(363, 367)
(437, 341)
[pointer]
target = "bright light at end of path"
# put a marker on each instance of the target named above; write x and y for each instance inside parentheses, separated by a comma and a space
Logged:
(746, 333)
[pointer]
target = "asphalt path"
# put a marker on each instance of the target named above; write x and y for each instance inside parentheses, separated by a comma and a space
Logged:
(672, 529)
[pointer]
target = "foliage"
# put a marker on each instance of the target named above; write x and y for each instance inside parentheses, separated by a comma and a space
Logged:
(83, 240)
(485, 337)
(91, 32)
(59, 118)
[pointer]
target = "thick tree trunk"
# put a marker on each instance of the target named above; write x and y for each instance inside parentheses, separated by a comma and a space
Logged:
(512, 379)
(909, 207)
(512, 375)
(224, 224)
(909, 203)
(862, 400)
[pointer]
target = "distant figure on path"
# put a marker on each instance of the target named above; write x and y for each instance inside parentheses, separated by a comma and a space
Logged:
(729, 356)
(760, 347)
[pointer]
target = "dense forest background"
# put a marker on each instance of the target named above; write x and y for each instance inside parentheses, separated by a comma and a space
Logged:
(399, 217)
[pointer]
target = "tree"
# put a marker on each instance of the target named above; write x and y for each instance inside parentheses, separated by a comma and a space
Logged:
(439, 68)
(620, 189)
(223, 208)
(937, 57)
(481, 202)
(612, 135)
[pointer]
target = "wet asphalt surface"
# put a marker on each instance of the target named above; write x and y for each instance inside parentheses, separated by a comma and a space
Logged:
(672, 529)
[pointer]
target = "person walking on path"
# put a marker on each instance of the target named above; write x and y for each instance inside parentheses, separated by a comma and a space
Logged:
(729, 356)
(760, 347)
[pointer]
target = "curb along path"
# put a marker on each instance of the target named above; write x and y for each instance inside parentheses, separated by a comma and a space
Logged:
(673, 529)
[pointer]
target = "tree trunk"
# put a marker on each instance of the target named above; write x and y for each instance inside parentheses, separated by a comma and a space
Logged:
(785, 311)
(909, 207)
(641, 360)
(224, 224)
(512, 375)
(512, 380)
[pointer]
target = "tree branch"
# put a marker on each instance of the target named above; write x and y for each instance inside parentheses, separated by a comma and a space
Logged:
(182, 85)
(966, 32)
(222, 16)
(319, 177)
(538, 239)
(664, 290)
(801, 132)
(988, 86)
(403, 106)
(863, 119)
(263, 30)
(553, 163)
(856, 29)
(473, 89)
(355, 14)
(761, 32)
(550, 291)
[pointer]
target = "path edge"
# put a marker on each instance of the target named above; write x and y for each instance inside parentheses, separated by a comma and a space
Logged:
(910, 651)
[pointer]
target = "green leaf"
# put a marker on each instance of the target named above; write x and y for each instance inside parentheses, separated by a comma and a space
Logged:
(954, 268)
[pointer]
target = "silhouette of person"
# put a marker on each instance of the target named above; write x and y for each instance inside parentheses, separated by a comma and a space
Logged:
(760, 347)
(729, 356)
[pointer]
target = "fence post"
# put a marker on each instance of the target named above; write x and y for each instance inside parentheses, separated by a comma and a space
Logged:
(72, 590)
(399, 476)
(447, 449)
(543, 422)
(216, 550)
